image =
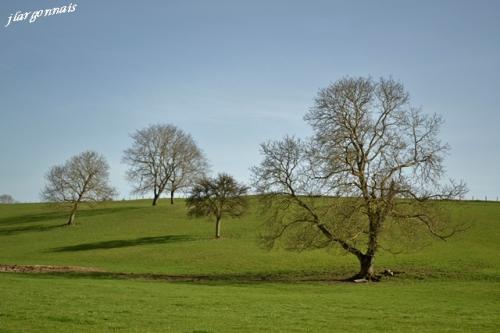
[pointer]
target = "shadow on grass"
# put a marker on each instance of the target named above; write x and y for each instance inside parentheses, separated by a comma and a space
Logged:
(29, 218)
(31, 228)
(61, 214)
(125, 243)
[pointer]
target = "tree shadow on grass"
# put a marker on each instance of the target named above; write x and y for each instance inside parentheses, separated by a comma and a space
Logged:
(29, 218)
(125, 243)
(61, 214)
(31, 228)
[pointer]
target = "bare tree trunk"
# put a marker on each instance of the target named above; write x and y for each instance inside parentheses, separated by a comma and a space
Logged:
(367, 260)
(172, 197)
(217, 228)
(366, 271)
(155, 199)
(71, 220)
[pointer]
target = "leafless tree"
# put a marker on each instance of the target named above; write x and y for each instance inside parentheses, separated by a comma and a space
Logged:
(7, 199)
(81, 179)
(163, 157)
(187, 164)
(217, 197)
(374, 167)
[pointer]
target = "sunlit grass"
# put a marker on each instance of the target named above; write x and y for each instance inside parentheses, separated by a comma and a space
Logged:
(446, 286)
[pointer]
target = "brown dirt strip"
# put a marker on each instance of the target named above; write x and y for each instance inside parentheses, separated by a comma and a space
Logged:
(45, 269)
(99, 273)
(91, 271)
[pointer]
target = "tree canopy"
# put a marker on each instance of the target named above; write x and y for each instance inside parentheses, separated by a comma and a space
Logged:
(217, 197)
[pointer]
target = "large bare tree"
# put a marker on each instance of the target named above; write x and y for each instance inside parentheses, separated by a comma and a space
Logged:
(373, 168)
(217, 197)
(82, 178)
(163, 157)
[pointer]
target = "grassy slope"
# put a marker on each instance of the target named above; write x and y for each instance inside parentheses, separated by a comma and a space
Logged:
(37, 303)
(461, 291)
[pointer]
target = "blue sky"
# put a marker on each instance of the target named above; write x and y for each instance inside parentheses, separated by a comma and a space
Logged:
(234, 74)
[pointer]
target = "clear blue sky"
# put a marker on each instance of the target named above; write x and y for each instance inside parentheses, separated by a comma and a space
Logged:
(233, 74)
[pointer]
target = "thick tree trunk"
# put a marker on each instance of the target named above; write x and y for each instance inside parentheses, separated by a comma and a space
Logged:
(366, 261)
(366, 271)
(171, 197)
(217, 228)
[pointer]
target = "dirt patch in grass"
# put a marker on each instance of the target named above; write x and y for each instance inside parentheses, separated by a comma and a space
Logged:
(79, 271)
(46, 269)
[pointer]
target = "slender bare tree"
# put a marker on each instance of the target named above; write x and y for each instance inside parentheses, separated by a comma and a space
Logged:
(7, 199)
(217, 197)
(163, 157)
(373, 168)
(82, 178)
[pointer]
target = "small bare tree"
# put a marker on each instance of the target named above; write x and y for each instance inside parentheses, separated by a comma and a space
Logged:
(163, 157)
(83, 178)
(373, 165)
(217, 197)
(7, 199)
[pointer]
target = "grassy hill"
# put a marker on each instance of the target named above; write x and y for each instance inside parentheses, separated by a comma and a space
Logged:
(446, 286)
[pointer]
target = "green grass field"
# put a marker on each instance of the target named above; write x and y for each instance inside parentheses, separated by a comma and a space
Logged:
(446, 286)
